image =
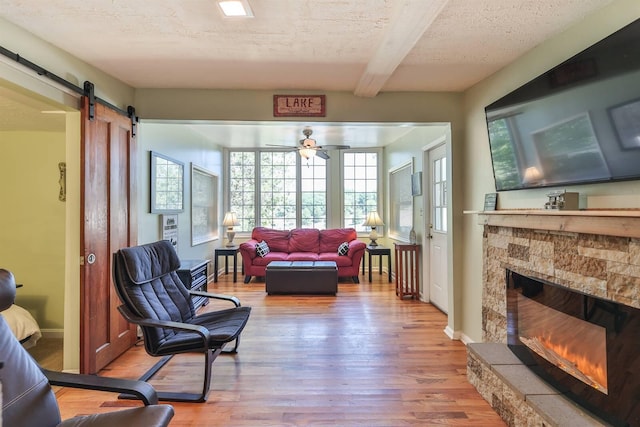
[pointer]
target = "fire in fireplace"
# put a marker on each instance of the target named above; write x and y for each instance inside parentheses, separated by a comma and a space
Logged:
(586, 347)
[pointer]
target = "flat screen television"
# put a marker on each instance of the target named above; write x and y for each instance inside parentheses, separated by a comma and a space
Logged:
(577, 123)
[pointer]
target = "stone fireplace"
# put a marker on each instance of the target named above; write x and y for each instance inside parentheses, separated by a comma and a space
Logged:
(595, 253)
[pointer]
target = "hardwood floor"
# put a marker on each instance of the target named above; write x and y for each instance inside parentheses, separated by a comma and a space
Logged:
(361, 358)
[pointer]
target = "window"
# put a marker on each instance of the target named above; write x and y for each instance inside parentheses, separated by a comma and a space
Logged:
(313, 193)
(289, 193)
(242, 188)
(360, 187)
(278, 195)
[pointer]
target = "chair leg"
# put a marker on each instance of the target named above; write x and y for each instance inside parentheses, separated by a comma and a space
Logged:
(356, 279)
(235, 347)
(209, 357)
(247, 279)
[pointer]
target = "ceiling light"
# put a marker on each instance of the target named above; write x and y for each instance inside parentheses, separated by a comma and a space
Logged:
(235, 8)
(307, 153)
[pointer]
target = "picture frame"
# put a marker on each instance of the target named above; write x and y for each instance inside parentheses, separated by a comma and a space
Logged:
(625, 119)
(204, 206)
(167, 184)
(169, 229)
(490, 201)
(400, 202)
(416, 184)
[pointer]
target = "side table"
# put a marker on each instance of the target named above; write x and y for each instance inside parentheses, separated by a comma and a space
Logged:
(194, 274)
(380, 251)
(226, 252)
(407, 273)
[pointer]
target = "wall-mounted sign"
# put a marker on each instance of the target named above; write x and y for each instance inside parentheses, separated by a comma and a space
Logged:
(299, 105)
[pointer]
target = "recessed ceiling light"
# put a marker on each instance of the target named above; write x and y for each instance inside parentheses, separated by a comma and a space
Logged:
(235, 8)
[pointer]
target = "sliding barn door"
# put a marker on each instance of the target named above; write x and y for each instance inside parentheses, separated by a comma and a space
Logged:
(108, 172)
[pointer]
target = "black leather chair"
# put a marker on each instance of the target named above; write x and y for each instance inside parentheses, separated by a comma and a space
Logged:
(153, 297)
(27, 398)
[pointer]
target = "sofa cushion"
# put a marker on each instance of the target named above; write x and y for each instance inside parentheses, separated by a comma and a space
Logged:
(331, 239)
(340, 260)
(262, 249)
(271, 256)
(343, 249)
(302, 256)
(305, 240)
(278, 240)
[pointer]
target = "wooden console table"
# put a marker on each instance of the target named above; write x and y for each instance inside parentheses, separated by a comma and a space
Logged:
(407, 272)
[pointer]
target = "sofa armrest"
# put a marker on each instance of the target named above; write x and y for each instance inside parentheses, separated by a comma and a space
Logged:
(356, 252)
(356, 245)
(248, 249)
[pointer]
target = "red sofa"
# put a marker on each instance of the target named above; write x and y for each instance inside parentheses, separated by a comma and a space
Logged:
(302, 244)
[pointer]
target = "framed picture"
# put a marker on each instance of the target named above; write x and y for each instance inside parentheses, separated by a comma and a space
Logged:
(170, 229)
(204, 206)
(167, 184)
(626, 123)
(416, 184)
(400, 202)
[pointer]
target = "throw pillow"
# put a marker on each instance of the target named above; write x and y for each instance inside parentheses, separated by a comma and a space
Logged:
(262, 249)
(343, 249)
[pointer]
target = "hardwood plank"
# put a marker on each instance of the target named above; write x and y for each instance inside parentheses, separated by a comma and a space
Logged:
(361, 358)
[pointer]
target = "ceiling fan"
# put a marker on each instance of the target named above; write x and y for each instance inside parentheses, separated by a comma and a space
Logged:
(308, 147)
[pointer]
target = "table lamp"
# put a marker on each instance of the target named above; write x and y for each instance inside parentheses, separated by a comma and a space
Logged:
(373, 220)
(230, 219)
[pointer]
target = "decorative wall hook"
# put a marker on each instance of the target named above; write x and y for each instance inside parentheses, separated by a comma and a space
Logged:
(63, 181)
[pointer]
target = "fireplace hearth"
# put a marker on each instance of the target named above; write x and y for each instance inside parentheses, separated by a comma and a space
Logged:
(584, 346)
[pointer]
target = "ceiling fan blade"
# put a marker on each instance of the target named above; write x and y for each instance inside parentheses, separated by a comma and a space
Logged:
(335, 147)
(322, 155)
(288, 147)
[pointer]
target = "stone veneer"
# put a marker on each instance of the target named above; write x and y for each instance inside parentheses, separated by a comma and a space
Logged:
(604, 266)
(595, 263)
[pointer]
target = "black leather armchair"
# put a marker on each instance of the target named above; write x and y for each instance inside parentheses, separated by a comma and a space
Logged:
(27, 398)
(153, 297)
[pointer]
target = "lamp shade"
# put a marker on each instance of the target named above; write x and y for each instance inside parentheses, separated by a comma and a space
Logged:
(373, 220)
(307, 153)
(230, 219)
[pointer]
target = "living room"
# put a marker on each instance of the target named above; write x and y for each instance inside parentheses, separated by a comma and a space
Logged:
(471, 165)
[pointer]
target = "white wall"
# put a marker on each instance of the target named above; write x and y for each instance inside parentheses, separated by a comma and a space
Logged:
(478, 177)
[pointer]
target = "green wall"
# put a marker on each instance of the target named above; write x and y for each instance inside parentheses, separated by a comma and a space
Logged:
(478, 177)
(32, 222)
(471, 175)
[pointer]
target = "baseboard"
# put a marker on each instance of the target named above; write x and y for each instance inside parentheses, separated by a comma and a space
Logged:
(52, 333)
(466, 339)
(451, 333)
(457, 335)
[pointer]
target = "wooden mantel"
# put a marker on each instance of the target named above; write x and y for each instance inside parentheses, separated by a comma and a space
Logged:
(619, 222)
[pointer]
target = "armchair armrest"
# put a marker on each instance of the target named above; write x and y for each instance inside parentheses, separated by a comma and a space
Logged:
(135, 319)
(144, 391)
(231, 298)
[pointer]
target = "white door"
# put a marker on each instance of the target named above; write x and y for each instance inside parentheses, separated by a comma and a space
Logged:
(437, 228)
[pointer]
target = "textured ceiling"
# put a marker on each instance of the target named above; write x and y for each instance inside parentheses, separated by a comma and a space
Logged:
(360, 46)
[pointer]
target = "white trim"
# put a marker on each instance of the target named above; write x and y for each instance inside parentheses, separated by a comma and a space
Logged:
(451, 333)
